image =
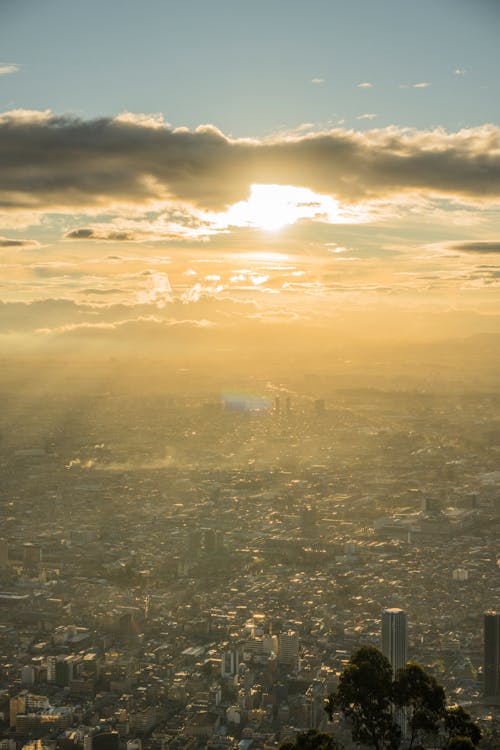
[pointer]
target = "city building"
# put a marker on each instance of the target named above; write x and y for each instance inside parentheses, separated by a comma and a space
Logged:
(288, 649)
(230, 663)
(492, 657)
(395, 637)
(4, 553)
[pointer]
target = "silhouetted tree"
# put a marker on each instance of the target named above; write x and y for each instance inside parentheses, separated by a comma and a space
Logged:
(422, 700)
(367, 696)
(458, 724)
(364, 695)
(312, 740)
(490, 739)
(460, 743)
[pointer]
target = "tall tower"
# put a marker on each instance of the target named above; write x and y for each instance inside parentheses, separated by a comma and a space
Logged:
(492, 657)
(277, 406)
(4, 553)
(230, 662)
(395, 637)
(288, 649)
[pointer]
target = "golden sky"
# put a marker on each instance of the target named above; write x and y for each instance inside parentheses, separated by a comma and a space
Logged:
(355, 214)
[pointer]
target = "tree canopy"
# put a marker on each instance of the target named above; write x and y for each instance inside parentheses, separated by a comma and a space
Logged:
(382, 709)
(458, 724)
(421, 700)
(364, 695)
(312, 740)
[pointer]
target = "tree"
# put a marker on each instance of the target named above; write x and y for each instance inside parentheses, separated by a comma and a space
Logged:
(364, 696)
(458, 724)
(312, 740)
(490, 739)
(422, 700)
(460, 743)
(370, 699)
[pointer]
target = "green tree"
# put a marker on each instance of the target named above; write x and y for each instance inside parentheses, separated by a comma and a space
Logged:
(422, 700)
(312, 740)
(458, 724)
(460, 743)
(364, 696)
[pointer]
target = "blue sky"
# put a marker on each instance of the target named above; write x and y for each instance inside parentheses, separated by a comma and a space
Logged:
(248, 67)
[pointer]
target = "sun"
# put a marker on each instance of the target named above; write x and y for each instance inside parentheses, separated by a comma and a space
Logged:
(272, 207)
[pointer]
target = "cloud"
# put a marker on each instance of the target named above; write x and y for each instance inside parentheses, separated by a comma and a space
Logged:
(459, 72)
(159, 290)
(155, 303)
(178, 223)
(19, 244)
(104, 291)
(367, 116)
(8, 68)
(27, 116)
(140, 333)
(317, 81)
(365, 85)
(150, 320)
(472, 246)
(108, 235)
(57, 164)
(153, 120)
(334, 248)
(419, 85)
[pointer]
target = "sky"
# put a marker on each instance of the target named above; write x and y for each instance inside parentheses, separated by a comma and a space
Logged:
(177, 176)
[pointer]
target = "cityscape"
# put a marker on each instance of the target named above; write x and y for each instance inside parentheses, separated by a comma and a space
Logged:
(194, 570)
(249, 375)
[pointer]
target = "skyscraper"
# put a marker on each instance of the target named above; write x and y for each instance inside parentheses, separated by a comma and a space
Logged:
(394, 637)
(4, 553)
(492, 657)
(230, 662)
(288, 649)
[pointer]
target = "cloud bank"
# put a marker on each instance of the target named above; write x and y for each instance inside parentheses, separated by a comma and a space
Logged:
(57, 163)
(475, 247)
(18, 243)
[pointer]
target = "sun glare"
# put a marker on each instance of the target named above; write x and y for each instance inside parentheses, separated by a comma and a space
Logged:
(272, 207)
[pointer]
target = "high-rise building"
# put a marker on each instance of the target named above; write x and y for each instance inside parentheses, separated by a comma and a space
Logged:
(28, 675)
(230, 662)
(288, 649)
(277, 406)
(492, 657)
(4, 553)
(395, 637)
(32, 554)
(17, 706)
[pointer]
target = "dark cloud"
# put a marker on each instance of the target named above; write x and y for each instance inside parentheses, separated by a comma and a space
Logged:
(80, 234)
(102, 235)
(20, 244)
(104, 292)
(56, 271)
(52, 163)
(475, 247)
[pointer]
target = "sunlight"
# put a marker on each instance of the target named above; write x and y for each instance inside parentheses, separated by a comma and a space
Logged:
(263, 256)
(272, 207)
